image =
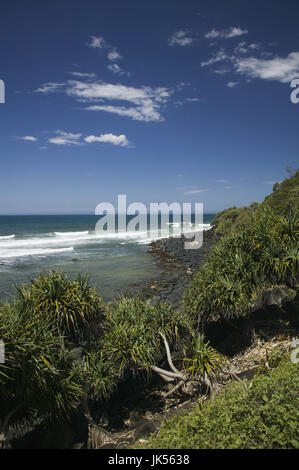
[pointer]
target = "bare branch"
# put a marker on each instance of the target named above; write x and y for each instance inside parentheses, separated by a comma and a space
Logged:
(169, 359)
(179, 385)
(167, 373)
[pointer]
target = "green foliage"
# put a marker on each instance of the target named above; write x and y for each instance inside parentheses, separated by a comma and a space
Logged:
(271, 361)
(98, 375)
(261, 251)
(131, 332)
(40, 376)
(71, 303)
(200, 357)
(261, 414)
(37, 374)
(285, 195)
(233, 217)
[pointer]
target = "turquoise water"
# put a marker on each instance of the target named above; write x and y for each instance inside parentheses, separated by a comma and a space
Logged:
(33, 244)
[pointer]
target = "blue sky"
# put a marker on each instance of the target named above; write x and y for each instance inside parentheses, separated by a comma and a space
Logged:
(166, 100)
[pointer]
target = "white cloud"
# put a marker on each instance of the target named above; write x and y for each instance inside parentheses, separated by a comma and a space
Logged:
(278, 68)
(180, 38)
(120, 140)
(83, 75)
(114, 55)
(218, 57)
(66, 138)
(222, 181)
(232, 84)
(221, 71)
(213, 34)
(142, 114)
(193, 100)
(196, 191)
(228, 33)
(50, 87)
(29, 138)
(243, 47)
(117, 70)
(234, 32)
(147, 101)
(97, 42)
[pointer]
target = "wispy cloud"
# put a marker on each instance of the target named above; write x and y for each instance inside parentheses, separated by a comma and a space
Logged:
(193, 100)
(98, 42)
(117, 70)
(240, 60)
(83, 75)
(120, 140)
(222, 181)
(244, 47)
(181, 38)
(50, 87)
(282, 69)
(195, 191)
(187, 100)
(114, 55)
(232, 84)
(147, 101)
(217, 57)
(228, 33)
(28, 138)
(65, 138)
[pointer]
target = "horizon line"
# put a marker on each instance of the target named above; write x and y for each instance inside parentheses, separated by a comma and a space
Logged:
(76, 213)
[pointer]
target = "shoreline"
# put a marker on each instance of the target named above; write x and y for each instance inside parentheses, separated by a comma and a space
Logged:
(177, 266)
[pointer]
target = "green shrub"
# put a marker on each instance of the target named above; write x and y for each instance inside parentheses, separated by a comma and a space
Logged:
(37, 373)
(70, 303)
(131, 332)
(285, 196)
(261, 414)
(200, 357)
(261, 252)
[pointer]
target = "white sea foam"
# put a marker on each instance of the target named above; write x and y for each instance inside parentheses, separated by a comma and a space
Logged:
(32, 252)
(172, 232)
(59, 242)
(71, 234)
(7, 237)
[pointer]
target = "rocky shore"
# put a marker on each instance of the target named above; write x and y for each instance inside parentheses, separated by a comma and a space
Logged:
(177, 265)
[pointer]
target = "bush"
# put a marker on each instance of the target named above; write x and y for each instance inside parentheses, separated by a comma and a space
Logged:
(261, 414)
(69, 303)
(131, 332)
(37, 374)
(251, 256)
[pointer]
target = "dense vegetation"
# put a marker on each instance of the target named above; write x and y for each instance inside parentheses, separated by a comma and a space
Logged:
(64, 348)
(261, 414)
(258, 251)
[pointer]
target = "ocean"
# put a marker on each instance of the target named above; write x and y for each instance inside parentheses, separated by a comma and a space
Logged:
(33, 244)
